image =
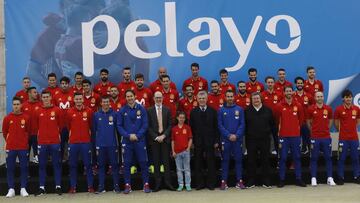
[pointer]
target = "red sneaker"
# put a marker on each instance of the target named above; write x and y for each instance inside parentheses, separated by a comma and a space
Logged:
(91, 190)
(72, 191)
(223, 185)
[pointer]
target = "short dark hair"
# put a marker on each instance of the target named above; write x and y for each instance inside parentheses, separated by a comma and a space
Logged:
(281, 69)
(298, 78)
(126, 68)
(309, 68)
(77, 94)
(79, 73)
(129, 90)
(222, 71)
(30, 88)
(241, 81)
(288, 86)
(165, 76)
(45, 92)
(346, 93)
(17, 99)
(189, 85)
(86, 81)
(65, 79)
(252, 70)
(104, 70)
(178, 113)
(195, 65)
(139, 75)
(229, 91)
(26, 78)
(214, 81)
(269, 77)
(105, 97)
(51, 75)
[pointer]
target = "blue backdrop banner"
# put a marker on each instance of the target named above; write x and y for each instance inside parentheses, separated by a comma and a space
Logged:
(66, 36)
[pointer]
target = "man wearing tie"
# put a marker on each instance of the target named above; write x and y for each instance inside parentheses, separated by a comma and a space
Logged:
(203, 121)
(159, 135)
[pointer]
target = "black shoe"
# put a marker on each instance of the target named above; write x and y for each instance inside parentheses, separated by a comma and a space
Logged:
(157, 188)
(169, 187)
(40, 192)
(281, 184)
(200, 186)
(300, 183)
(58, 191)
(357, 180)
(340, 181)
(211, 187)
(266, 184)
(250, 184)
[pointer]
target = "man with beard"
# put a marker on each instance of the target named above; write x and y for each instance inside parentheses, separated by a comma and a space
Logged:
(215, 98)
(224, 83)
(143, 95)
(253, 85)
(242, 99)
(127, 83)
(270, 99)
(78, 78)
(116, 102)
(188, 102)
(306, 100)
(203, 122)
(312, 85)
(290, 116)
(199, 83)
(103, 87)
(91, 99)
(156, 85)
(281, 82)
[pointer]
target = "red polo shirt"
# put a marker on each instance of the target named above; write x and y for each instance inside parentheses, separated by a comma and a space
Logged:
(314, 87)
(92, 101)
(171, 99)
(243, 100)
(348, 121)
(23, 95)
(186, 105)
(16, 131)
(53, 90)
(254, 87)
(225, 87)
(216, 101)
(79, 122)
(123, 86)
(64, 100)
(103, 89)
(75, 89)
(157, 86)
(29, 108)
(271, 99)
(181, 136)
(320, 120)
(279, 87)
(117, 104)
(290, 117)
(144, 97)
(199, 84)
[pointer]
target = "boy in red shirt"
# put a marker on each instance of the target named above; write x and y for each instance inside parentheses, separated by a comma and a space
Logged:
(180, 144)
(347, 119)
(15, 129)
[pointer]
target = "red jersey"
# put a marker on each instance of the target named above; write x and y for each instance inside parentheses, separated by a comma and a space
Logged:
(279, 87)
(92, 101)
(64, 100)
(290, 117)
(348, 121)
(103, 89)
(320, 121)
(242, 100)
(171, 99)
(123, 86)
(305, 99)
(271, 99)
(186, 105)
(181, 136)
(314, 87)
(75, 89)
(198, 84)
(117, 104)
(144, 97)
(30, 108)
(216, 101)
(53, 90)
(79, 122)
(16, 131)
(156, 86)
(50, 121)
(23, 95)
(225, 87)
(254, 87)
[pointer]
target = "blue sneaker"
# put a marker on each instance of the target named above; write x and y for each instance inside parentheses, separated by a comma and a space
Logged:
(147, 188)
(117, 189)
(127, 189)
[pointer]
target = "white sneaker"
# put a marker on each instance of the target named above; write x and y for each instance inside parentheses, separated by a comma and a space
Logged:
(35, 159)
(23, 192)
(245, 153)
(11, 193)
(330, 181)
(313, 181)
(274, 152)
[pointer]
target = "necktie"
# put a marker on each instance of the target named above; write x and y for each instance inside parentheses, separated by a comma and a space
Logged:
(159, 118)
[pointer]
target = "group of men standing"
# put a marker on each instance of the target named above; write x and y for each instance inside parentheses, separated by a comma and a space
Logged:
(117, 124)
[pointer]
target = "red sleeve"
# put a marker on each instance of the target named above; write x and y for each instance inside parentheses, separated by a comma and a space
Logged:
(277, 114)
(336, 114)
(61, 118)
(301, 114)
(5, 127)
(90, 113)
(309, 113)
(67, 119)
(206, 85)
(330, 113)
(28, 125)
(189, 130)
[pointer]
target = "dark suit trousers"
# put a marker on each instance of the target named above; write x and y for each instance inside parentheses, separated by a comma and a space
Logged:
(254, 146)
(209, 153)
(161, 154)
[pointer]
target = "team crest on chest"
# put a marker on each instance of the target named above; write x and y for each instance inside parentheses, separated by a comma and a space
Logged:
(69, 98)
(93, 100)
(172, 96)
(354, 113)
(325, 113)
(184, 131)
(200, 84)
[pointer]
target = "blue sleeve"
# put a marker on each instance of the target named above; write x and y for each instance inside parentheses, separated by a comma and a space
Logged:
(241, 128)
(120, 124)
(94, 124)
(223, 131)
(144, 124)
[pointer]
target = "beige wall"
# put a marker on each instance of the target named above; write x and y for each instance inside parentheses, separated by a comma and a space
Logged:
(2, 79)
